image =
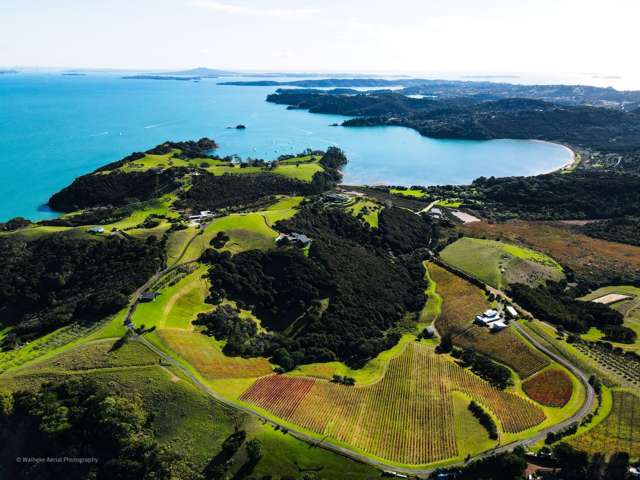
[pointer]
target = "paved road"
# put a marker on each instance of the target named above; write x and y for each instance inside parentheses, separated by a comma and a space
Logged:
(584, 379)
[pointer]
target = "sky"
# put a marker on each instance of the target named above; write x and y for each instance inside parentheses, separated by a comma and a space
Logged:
(551, 36)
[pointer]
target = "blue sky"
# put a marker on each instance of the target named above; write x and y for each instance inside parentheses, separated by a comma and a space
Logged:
(550, 36)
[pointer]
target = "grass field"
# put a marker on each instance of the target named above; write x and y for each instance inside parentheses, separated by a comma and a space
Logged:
(620, 430)
(407, 192)
(630, 308)
(177, 242)
(433, 307)
(369, 210)
(461, 303)
(587, 257)
(407, 417)
(499, 264)
(246, 231)
(471, 436)
(178, 304)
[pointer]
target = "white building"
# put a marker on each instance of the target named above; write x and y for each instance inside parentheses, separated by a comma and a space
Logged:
(511, 311)
(497, 326)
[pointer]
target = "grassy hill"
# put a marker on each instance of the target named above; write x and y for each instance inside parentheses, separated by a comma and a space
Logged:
(498, 263)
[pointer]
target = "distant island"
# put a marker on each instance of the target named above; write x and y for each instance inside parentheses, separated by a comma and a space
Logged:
(6, 72)
(478, 90)
(160, 77)
(74, 74)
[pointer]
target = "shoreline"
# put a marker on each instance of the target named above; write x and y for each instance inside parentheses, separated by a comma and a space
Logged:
(567, 167)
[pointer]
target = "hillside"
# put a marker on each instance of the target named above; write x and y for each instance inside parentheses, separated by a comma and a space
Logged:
(245, 310)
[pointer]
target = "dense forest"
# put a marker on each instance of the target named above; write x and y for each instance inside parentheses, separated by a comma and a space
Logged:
(623, 230)
(77, 419)
(115, 189)
(546, 197)
(55, 280)
(337, 303)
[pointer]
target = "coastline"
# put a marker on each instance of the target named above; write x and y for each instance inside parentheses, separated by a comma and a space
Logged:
(567, 167)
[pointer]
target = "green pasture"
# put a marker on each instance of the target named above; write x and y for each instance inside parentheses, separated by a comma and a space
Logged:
(498, 263)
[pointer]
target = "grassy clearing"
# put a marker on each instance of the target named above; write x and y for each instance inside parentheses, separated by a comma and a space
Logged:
(303, 172)
(177, 242)
(407, 192)
(433, 307)
(177, 304)
(246, 231)
(462, 301)
(449, 203)
(366, 210)
(471, 437)
(498, 263)
(630, 308)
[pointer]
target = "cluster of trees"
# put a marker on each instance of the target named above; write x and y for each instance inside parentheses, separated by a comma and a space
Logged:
(225, 323)
(553, 437)
(404, 231)
(551, 303)
(343, 380)
(497, 375)
(219, 466)
(485, 419)
(622, 230)
(115, 188)
(188, 149)
(56, 280)
(337, 303)
(210, 192)
(588, 195)
(14, 224)
(79, 419)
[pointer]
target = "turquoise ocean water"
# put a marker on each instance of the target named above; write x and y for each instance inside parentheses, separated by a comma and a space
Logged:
(54, 128)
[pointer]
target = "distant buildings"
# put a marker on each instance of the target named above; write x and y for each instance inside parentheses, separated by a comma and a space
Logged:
(96, 230)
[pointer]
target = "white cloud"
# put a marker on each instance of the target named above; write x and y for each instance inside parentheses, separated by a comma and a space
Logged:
(248, 11)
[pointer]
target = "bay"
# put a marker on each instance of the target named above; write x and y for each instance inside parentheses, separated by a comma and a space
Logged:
(54, 128)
